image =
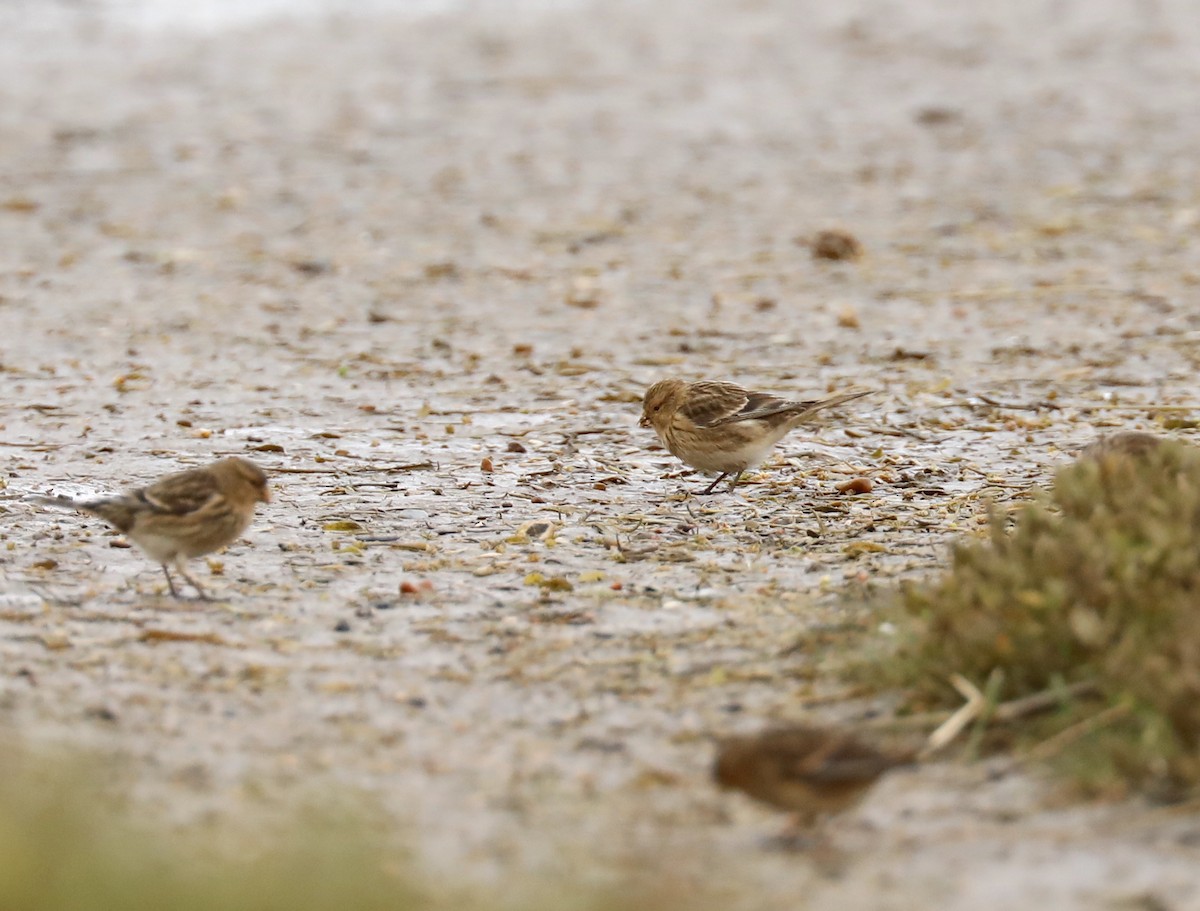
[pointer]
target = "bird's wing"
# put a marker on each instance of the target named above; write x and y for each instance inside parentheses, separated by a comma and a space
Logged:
(843, 759)
(760, 406)
(182, 493)
(847, 770)
(754, 406)
(710, 404)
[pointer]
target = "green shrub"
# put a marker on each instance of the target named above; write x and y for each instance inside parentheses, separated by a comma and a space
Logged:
(1097, 581)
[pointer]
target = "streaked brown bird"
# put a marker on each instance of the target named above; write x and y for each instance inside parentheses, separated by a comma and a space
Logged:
(183, 515)
(810, 771)
(721, 427)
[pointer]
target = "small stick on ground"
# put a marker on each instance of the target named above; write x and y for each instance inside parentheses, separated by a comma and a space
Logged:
(1004, 712)
(1032, 406)
(352, 469)
(956, 723)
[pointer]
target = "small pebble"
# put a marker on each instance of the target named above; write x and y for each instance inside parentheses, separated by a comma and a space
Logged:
(342, 626)
(856, 485)
(838, 245)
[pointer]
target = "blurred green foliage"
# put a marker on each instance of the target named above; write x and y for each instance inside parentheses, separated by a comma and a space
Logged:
(1097, 581)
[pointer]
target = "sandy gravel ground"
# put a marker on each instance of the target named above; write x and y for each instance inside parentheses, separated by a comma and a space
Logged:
(373, 253)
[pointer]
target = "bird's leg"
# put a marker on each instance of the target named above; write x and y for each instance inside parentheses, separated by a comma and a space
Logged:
(798, 835)
(170, 582)
(803, 835)
(196, 585)
(711, 487)
(732, 484)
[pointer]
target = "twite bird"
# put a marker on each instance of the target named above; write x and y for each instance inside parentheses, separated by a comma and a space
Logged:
(183, 515)
(810, 771)
(721, 427)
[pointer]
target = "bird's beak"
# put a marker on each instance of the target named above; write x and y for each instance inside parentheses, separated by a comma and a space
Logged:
(645, 421)
(264, 495)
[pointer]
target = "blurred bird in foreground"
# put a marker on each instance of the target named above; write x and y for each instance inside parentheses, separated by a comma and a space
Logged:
(811, 771)
(183, 515)
(721, 427)
(1129, 444)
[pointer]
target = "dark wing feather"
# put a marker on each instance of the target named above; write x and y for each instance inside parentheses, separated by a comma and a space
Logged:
(760, 405)
(843, 771)
(710, 403)
(823, 756)
(844, 760)
(182, 493)
(725, 403)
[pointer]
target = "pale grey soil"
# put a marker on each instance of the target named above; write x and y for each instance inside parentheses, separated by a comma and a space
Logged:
(387, 249)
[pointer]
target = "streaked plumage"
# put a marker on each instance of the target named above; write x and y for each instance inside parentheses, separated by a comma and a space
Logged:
(721, 427)
(810, 771)
(184, 515)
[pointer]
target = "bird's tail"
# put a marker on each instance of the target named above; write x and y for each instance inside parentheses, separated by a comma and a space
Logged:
(59, 502)
(806, 409)
(115, 512)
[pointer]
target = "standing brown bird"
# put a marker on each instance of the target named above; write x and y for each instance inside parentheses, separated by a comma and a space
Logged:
(810, 771)
(721, 427)
(184, 515)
